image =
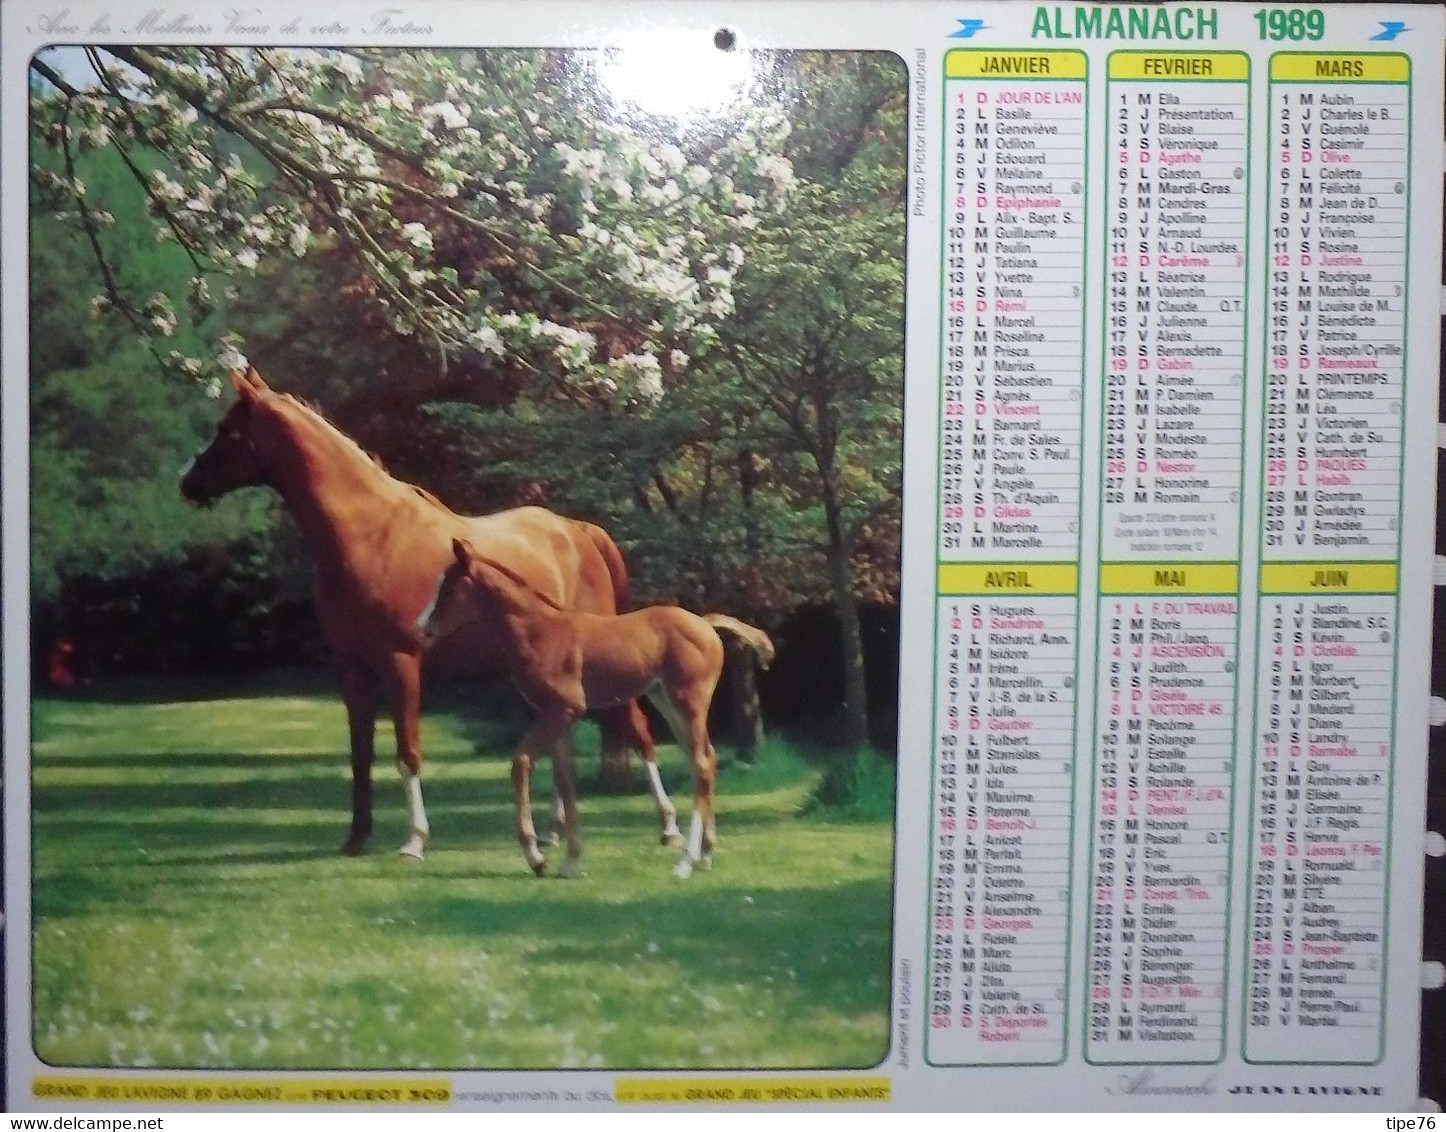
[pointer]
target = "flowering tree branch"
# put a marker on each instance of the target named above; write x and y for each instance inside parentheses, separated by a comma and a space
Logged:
(491, 216)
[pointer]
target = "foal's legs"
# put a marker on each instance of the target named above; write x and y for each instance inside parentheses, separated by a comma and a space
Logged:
(689, 725)
(627, 726)
(564, 774)
(703, 828)
(406, 689)
(543, 735)
(557, 820)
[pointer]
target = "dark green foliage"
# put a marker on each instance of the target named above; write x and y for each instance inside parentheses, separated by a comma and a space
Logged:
(858, 785)
(119, 564)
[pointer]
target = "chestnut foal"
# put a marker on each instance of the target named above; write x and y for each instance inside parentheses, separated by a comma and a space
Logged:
(565, 663)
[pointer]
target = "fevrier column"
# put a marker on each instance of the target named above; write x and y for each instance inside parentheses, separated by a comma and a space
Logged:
(1168, 603)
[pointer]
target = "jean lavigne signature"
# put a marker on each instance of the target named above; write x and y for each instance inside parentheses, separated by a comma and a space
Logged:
(1143, 1084)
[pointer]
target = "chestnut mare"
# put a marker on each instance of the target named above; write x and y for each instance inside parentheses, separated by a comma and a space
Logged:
(378, 546)
(565, 662)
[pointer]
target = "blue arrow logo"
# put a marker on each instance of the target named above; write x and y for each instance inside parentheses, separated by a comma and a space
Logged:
(1390, 29)
(967, 28)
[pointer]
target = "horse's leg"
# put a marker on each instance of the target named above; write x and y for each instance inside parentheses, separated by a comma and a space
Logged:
(541, 736)
(710, 817)
(564, 775)
(406, 689)
(359, 692)
(627, 726)
(557, 821)
(522, 791)
(702, 828)
(687, 724)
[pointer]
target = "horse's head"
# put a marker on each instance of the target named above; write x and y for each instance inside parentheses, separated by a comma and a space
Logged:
(232, 459)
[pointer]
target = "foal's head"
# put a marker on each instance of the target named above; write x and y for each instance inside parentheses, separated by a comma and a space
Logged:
(471, 581)
(464, 581)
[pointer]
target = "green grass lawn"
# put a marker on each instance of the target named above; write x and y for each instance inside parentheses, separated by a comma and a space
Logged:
(190, 908)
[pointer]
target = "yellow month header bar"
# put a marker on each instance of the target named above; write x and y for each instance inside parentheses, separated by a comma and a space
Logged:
(752, 1090)
(1207, 66)
(1008, 578)
(244, 1090)
(979, 63)
(1169, 577)
(1328, 577)
(1383, 67)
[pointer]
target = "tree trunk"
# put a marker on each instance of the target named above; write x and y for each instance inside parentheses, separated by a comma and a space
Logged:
(745, 721)
(856, 703)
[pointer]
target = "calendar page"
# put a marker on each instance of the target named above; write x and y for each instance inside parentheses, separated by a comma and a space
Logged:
(993, 443)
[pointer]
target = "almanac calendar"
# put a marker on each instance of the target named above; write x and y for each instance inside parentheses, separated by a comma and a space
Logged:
(1171, 329)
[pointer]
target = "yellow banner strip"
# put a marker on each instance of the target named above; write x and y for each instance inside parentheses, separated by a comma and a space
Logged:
(753, 1090)
(982, 63)
(1008, 578)
(1340, 68)
(1169, 577)
(1328, 577)
(1208, 66)
(244, 1090)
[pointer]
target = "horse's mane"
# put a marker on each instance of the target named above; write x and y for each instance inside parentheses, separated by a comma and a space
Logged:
(522, 583)
(428, 497)
(370, 457)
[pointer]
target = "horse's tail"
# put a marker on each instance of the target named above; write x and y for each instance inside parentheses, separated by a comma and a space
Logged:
(755, 639)
(613, 559)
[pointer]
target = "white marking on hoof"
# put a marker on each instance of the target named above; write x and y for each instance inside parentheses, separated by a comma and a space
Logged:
(666, 810)
(683, 869)
(535, 860)
(707, 861)
(569, 868)
(695, 837)
(419, 832)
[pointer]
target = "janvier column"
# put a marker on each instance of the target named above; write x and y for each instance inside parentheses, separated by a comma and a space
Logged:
(1165, 654)
(1007, 614)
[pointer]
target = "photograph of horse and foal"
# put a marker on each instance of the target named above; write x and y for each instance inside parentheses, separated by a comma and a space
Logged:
(373, 392)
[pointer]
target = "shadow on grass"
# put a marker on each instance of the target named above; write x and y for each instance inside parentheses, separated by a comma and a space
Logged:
(192, 688)
(289, 784)
(802, 943)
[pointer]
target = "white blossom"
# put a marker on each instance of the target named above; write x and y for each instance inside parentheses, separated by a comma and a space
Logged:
(348, 67)
(417, 235)
(671, 158)
(446, 113)
(232, 359)
(488, 341)
(643, 372)
(165, 188)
